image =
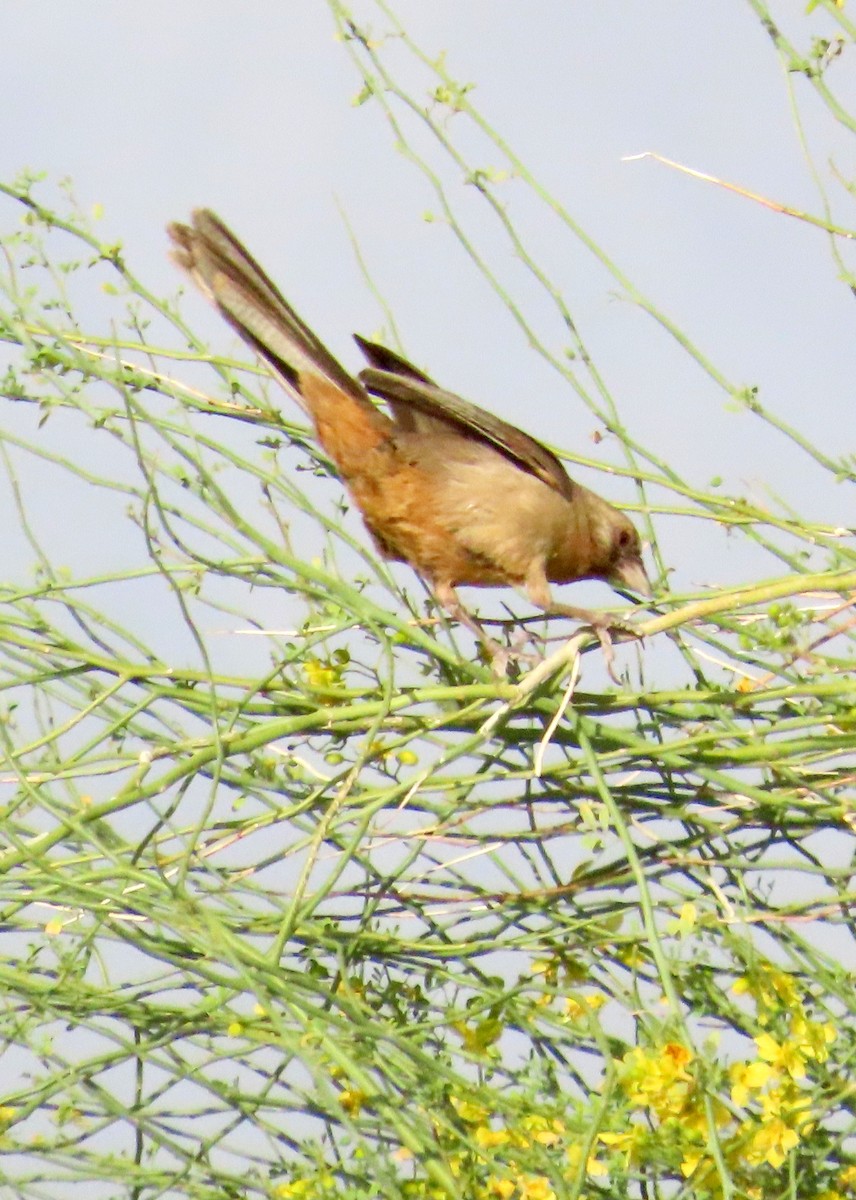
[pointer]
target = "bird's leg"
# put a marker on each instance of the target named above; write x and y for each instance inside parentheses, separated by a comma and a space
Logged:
(600, 623)
(603, 625)
(499, 656)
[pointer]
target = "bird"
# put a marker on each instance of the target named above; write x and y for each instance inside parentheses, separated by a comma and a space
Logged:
(463, 497)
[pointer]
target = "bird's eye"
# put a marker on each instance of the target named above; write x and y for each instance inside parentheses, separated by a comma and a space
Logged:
(624, 539)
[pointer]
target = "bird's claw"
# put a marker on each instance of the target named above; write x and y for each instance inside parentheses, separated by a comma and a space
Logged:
(603, 627)
(501, 657)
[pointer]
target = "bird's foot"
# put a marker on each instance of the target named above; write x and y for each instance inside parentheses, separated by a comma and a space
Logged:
(605, 629)
(502, 657)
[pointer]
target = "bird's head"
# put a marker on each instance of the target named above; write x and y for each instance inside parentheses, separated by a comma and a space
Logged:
(619, 552)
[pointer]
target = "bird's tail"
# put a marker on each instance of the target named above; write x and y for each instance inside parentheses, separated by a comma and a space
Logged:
(346, 420)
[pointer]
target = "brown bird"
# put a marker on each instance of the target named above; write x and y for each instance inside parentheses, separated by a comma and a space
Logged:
(459, 494)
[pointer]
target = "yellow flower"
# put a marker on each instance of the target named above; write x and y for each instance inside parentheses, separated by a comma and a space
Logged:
(770, 987)
(298, 1189)
(658, 1080)
(480, 1037)
(785, 1117)
(771, 1143)
(546, 1130)
(747, 1078)
(812, 1037)
(321, 676)
(502, 1188)
(473, 1114)
(594, 1166)
(792, 1106)
(691, 1160)
(694, 1120)
(487, 1138)
(352, 1100)
(578, 1007)
(629, 1143)
(786, 1057)
(677, 1054)
(536, 1187)
(686, 920)
(546, 1137)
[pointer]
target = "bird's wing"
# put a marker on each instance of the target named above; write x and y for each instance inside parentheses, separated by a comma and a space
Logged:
(406, 388)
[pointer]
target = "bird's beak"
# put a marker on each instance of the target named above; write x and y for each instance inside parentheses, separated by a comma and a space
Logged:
(630, 573)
